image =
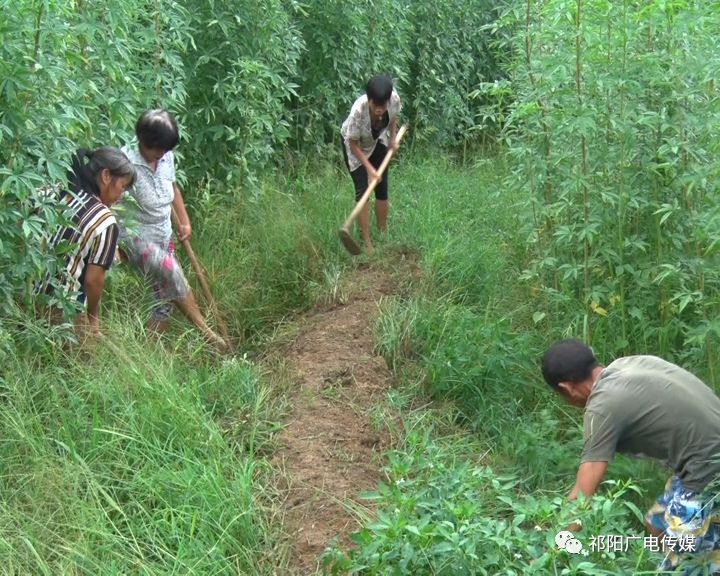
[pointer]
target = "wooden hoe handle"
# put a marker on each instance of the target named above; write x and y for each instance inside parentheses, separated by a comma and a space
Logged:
(380, 171)
(200, 274)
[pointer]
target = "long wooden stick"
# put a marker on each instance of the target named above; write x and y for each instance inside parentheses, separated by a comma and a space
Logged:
(200, 274)
(344, 232)
(205, 288)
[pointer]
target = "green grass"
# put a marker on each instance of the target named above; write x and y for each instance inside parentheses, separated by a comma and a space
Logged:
(147, 457)
(144, 463)
(468, 339)
(154, 457)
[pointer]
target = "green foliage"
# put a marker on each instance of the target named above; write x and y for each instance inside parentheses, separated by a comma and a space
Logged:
(64, 85)
(246, 80)
(452, 56)
(444, 512)
(438, 52)
(609, 114)
(614, 138)
(471, 336)
(266, 254)
(466, 326)
(144, 466)
(346, 43)
(149, 458)
(465, 356)
(241, 74)
(25, 214)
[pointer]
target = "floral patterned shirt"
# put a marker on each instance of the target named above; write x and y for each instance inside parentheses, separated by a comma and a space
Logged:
(357, 127)
(153, 193)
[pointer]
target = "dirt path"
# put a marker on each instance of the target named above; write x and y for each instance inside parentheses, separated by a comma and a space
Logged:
(329, 448)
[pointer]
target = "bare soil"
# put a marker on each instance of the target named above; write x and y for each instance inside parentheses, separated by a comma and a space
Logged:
(330, 449)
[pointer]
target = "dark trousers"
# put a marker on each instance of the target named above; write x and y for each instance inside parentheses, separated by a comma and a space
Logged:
(360, 176)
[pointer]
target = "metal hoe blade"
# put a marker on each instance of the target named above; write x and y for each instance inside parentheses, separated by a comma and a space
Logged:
(349, 243)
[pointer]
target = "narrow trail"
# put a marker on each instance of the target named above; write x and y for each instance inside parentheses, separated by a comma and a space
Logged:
(329, 448)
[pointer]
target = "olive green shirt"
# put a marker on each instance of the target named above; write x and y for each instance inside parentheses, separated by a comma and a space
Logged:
(645, 406)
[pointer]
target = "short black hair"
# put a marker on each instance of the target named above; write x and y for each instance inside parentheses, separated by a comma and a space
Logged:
(567, 361)
(379, 89)
(157, 129)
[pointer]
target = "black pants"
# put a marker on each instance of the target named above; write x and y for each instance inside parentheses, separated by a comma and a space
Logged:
(360, 176)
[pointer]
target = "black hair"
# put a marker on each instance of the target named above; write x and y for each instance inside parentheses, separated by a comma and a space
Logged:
(379, 89)
(157, 129)
(567, 361)
(88, 164)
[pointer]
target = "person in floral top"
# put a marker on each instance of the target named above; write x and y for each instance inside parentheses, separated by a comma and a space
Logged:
(149, 247)
(367, 133)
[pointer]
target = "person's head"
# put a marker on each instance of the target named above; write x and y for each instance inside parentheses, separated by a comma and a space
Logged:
(569, 367)
(157, 132)
(105, 173)
(379, 89)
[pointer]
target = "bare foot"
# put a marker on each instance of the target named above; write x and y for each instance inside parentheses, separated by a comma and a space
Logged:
(156, 328)
(219, 343)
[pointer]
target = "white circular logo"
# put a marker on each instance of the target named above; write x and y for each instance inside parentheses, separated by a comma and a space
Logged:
(561, 538)
(574, 546)
(565, 540)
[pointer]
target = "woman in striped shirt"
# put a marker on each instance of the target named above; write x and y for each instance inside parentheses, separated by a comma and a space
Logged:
(97, 180)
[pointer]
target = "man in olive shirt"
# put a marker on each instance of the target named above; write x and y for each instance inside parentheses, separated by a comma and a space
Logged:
(645, 406)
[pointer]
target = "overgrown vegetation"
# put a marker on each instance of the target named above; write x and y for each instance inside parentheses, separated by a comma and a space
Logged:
(467, 339)
(612, 135)
(600, 225)
(141, 463)
(595, 216)
(248, 81)
(445, 512)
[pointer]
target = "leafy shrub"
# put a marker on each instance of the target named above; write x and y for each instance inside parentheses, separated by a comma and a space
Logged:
(613, 133)
(443, 512)
(241, 74)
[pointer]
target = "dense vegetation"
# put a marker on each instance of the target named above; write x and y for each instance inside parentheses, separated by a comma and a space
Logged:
(250, 81)
(576, 196)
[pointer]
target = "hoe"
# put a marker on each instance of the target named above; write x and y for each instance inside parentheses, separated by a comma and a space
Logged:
(345, 236)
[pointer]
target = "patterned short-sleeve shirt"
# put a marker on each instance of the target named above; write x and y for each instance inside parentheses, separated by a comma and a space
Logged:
(357, 126)
(154, 193)
(91, 235)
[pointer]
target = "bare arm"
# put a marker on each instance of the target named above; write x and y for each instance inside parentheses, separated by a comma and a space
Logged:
(360, 155)
(393, 134)
(183, 221)
(589, 476)
(93, 287)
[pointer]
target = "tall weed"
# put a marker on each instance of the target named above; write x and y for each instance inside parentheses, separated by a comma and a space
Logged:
(118, 464)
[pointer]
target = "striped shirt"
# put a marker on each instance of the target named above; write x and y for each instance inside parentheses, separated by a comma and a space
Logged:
(92, 238)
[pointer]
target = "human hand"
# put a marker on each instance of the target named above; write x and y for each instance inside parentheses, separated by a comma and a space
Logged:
(372, 175)
(119, 256)
(184, 231)
(394, 145)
